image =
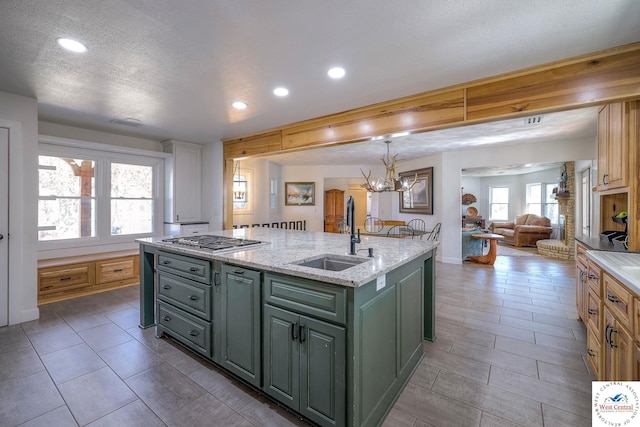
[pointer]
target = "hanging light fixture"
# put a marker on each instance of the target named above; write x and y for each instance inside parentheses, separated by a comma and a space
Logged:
(391, 181)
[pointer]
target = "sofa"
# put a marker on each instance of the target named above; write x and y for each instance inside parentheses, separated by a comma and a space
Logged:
(526, 230)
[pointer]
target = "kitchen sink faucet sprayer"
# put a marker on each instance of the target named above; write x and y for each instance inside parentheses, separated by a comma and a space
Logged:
(351, 224)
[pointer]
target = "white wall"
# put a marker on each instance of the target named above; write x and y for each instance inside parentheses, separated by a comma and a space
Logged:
(20, 114)
(212, 186)
(53, 129)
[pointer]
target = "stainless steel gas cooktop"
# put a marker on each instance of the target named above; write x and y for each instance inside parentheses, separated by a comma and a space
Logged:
(214, 243)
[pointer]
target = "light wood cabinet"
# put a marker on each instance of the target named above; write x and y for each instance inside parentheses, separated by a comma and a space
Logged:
(613, 146)
(71, 277)
(618, 350)
(594, 352)
(581, 280)
(333, 210)
(183, 182)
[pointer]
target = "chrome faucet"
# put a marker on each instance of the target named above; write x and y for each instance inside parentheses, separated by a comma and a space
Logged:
(351, 223)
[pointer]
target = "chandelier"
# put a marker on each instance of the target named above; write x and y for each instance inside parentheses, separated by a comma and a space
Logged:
(391, 181)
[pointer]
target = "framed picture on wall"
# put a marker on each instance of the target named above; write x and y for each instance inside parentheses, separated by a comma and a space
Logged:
(419, 199)
(299, 193)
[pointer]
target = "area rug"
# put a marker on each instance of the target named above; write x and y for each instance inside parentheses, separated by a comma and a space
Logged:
(507, 250)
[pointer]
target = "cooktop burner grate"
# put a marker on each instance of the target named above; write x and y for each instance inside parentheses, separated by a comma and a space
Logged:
(209, 241)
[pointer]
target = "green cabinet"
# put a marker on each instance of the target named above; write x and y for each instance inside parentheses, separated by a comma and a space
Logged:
(304, 365)
(239, 327)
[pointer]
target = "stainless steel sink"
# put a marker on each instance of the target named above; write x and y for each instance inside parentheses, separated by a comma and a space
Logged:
(332, 262)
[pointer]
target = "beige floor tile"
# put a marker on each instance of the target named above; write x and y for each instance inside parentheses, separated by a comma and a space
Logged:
(578, 381)
(563, 359)
(398, 418)
(499, 309)
(493, 357)
(538, 327)
(500, 330)
(554, 417)
(553, 395)
(464, 366)
(570, 345)
(492, 400)
(133, 414)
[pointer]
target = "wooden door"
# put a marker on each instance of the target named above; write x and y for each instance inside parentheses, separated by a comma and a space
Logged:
(360, 204)
(333, 210)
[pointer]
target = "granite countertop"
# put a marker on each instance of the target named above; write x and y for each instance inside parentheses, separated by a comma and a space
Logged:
(623, 266)
(284, 247)
(598, 244)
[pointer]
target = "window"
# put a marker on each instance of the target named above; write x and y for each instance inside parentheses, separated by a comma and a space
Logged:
(540, 201)
(499, 203)
(97, 197)
(66, 204)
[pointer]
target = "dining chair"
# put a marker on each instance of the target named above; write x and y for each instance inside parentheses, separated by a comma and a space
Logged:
(435, 233)
(373, 225)
(400, 231)
(418, 226)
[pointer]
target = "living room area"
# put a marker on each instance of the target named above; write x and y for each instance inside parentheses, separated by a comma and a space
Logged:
(529, 209)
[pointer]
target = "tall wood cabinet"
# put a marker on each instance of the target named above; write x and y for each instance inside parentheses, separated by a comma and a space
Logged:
(333, 210)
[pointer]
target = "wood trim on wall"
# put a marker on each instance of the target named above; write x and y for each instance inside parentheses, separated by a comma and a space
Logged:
(611, 75)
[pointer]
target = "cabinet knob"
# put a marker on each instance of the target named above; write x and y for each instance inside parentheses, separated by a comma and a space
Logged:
(166, 318)
(194, 269)
(193, 333)
(193, 297)
(166, 287)
(165, 262)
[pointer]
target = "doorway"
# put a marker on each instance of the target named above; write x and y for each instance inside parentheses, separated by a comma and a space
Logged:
(4, 226)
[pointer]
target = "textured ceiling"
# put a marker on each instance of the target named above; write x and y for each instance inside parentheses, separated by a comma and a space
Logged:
(178, 65)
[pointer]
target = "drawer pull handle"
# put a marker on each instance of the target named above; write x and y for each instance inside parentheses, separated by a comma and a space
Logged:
(166, 318)
(165, 262)
(591, 352)
(193, 333)
(47, 287)
(612, 298)
(193, 297)
(117, 270)
(194, 269)
(611, 332)
(592, 312)
(216, 278)
(166, 287)
(238, 272)
(302, 336)
(294, 332)
(593, 277)
(62, 279)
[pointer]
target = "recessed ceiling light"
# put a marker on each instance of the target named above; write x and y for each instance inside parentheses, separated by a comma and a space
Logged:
(72, 45)
(281, 91)
(336, 73)
(239, 105)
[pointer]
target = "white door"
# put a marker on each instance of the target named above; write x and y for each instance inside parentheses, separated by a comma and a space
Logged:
(4, 226)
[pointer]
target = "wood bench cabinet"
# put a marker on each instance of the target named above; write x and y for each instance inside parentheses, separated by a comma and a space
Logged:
(71, 277)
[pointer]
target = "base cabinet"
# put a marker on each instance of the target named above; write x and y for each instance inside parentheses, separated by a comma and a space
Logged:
(304, 365)
(618, 350)
(239, 328)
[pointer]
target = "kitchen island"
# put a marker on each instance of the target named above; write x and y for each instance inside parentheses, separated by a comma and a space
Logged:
(336, 347)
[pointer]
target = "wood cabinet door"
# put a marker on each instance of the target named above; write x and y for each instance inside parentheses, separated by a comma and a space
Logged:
(594, 352)
(636, 362)
(240, 324)
(623, 342)
(581, 286)
(617, 152)
(603, 139)
(608, 363)
(281, 356)
(322, 371)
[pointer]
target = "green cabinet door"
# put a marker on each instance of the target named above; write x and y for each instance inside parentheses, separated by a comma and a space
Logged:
(322, 372)
(304, 365)
(239, 327)
(282, 356)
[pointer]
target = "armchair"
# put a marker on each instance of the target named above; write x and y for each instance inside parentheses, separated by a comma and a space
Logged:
(526, 230)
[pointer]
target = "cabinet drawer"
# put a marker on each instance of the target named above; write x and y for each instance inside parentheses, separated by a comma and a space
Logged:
(73, 276)
(184, 266)
(594, 352)
(619, 300)
(186, 294)
(594, 274)
(188, 329)
(594, 312)
(116, 269)
(307, 297)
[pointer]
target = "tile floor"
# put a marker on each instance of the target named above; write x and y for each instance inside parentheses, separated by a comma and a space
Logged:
(509, 352)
